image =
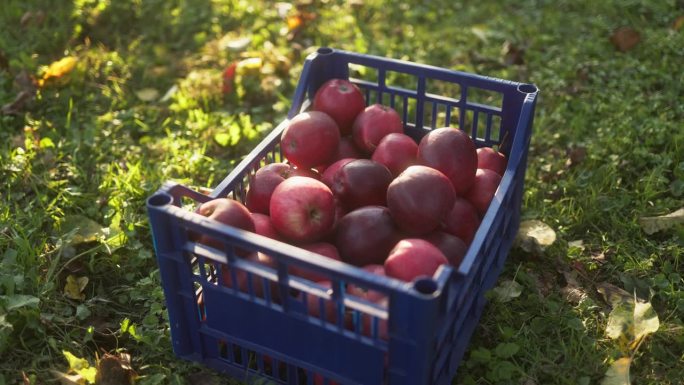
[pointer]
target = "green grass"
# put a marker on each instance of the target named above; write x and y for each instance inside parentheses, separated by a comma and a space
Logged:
(87, 152)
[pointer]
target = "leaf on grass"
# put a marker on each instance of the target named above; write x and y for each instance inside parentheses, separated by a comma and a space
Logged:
(81, 229)
(115, 370)
(646, 321)
(625, 38)
(612, 294)
(534, 236)
(620, 321)
(26, 18)
(652, 225)
(618, 373)
(58, 69)
(74, 287)
(507, 290)
(572, 292)
(17, 105)
(678, 23)
(37, 18)
(512, 54)
(577, 244)
(576, 155)
(630, 322)
(147, 94)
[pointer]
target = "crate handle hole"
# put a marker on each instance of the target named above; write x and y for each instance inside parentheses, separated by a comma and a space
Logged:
(324, 51)
(528, 88)
(160, 199)
(425, 286)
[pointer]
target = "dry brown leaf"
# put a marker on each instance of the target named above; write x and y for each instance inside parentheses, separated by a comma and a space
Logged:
(39, 17)
(115, 370)
(572, 292)
(599, 257)
(512, 54)
(16, 106)
(4, 63)
(27, 90)
(678, 23)
(26, 18)
(576, 155)
(25, 378)
(612, 294)
(625, 38)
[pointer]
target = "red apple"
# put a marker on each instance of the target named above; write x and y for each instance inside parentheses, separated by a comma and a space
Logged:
(329, 172)
(262, 184)
(229, 212)
(263, 226)
(310, 139)
(368, 295)
(373, 124)
(419, 198)
(450, 245)
(347, 149)
(462, 220)
(302, 209)
(365, 235)
(325, 249)
(452, 152)
(242, 280)
(482, 191)
(342, 100)
(367, 322)
(311, 173)
(491, 159)
(413, 257)
(361, 182)
(397, 152)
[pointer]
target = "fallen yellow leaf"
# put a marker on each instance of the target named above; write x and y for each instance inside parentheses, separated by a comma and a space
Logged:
(58, 69)
(618, 373)
(74, 287)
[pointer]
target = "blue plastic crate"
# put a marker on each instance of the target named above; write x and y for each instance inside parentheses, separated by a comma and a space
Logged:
(265, 331)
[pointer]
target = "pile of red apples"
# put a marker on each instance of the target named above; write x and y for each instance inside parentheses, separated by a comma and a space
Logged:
(355, 188)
